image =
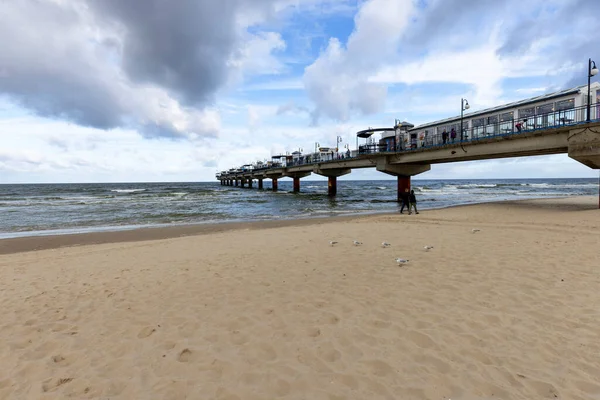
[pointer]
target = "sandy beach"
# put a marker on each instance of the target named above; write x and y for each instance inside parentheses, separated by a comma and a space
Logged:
(270, 311)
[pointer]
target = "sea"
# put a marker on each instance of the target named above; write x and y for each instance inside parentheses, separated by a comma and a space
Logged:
(54, 209)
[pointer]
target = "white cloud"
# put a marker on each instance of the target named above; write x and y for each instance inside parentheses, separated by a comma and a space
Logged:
(485, 74)
(256, 54)
(337, 82)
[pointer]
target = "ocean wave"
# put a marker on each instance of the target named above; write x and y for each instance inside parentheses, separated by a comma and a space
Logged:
(127, 190)
(477, 185)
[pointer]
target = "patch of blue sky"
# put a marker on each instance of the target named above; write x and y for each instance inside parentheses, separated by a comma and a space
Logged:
(9, 109)
(524, 87)
(430, 89)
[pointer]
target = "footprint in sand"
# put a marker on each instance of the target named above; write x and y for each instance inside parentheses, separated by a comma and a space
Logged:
(185, 355)
(59, 360)
(50, 384)
(144, 333)
(379, 368)
(314, 332)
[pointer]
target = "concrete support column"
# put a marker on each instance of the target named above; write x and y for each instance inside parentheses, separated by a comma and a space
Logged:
(332, 186)
(403, 184)
(236, 182)
(250, 183)
(296, 185)
(260, 183)
(274, 184)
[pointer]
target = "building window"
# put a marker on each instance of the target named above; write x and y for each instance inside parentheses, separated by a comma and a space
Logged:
(526, 112)
(544, 115)
(565, 104)
(544, 109)
(506, 122)
(565, 111)
(478, 127)
(526, 117)
(492, 125)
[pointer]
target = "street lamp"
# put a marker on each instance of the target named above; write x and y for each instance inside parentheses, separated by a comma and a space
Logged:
(464, 105)
(592, 70)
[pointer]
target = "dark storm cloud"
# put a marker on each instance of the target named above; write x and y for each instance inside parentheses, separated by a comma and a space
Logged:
(182, 45)
(43, 70)
(83, 60)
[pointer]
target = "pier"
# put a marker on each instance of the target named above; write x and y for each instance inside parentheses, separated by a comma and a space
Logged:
(556, 123)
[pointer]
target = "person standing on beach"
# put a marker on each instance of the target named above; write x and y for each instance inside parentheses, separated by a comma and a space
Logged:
(413, 202)
(405, 197)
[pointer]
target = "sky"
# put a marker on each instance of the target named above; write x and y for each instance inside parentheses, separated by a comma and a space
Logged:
(156, 90)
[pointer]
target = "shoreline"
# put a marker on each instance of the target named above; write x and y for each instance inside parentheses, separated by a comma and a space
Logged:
(48, 242)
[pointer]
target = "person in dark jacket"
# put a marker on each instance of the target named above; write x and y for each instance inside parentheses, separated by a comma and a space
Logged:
(405, 197)
(413, 202)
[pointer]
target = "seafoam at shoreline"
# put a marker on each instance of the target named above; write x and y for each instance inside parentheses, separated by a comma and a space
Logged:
(135, 234)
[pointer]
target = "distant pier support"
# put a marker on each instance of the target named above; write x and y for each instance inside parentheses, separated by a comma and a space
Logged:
(273, 176)
(236, 182)
(403, 172)
(332, 186)
(260, 183)
(296, 176)
(403, 185)
(250, 183)
(332, 175)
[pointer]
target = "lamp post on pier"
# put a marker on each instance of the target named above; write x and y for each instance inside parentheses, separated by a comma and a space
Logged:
(464, 105)
(592, 70)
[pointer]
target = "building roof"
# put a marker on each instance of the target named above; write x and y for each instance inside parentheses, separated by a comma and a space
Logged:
(368, 132)
(516, 104)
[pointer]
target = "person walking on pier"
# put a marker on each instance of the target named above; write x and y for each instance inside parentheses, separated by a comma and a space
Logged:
(413, 202)
(453, 134)
(405, 197)
(444, 137)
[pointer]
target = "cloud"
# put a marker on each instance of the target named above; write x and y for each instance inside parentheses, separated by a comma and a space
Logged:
(149, 65)
(292, 108)
(553, 34)
(337, 82)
